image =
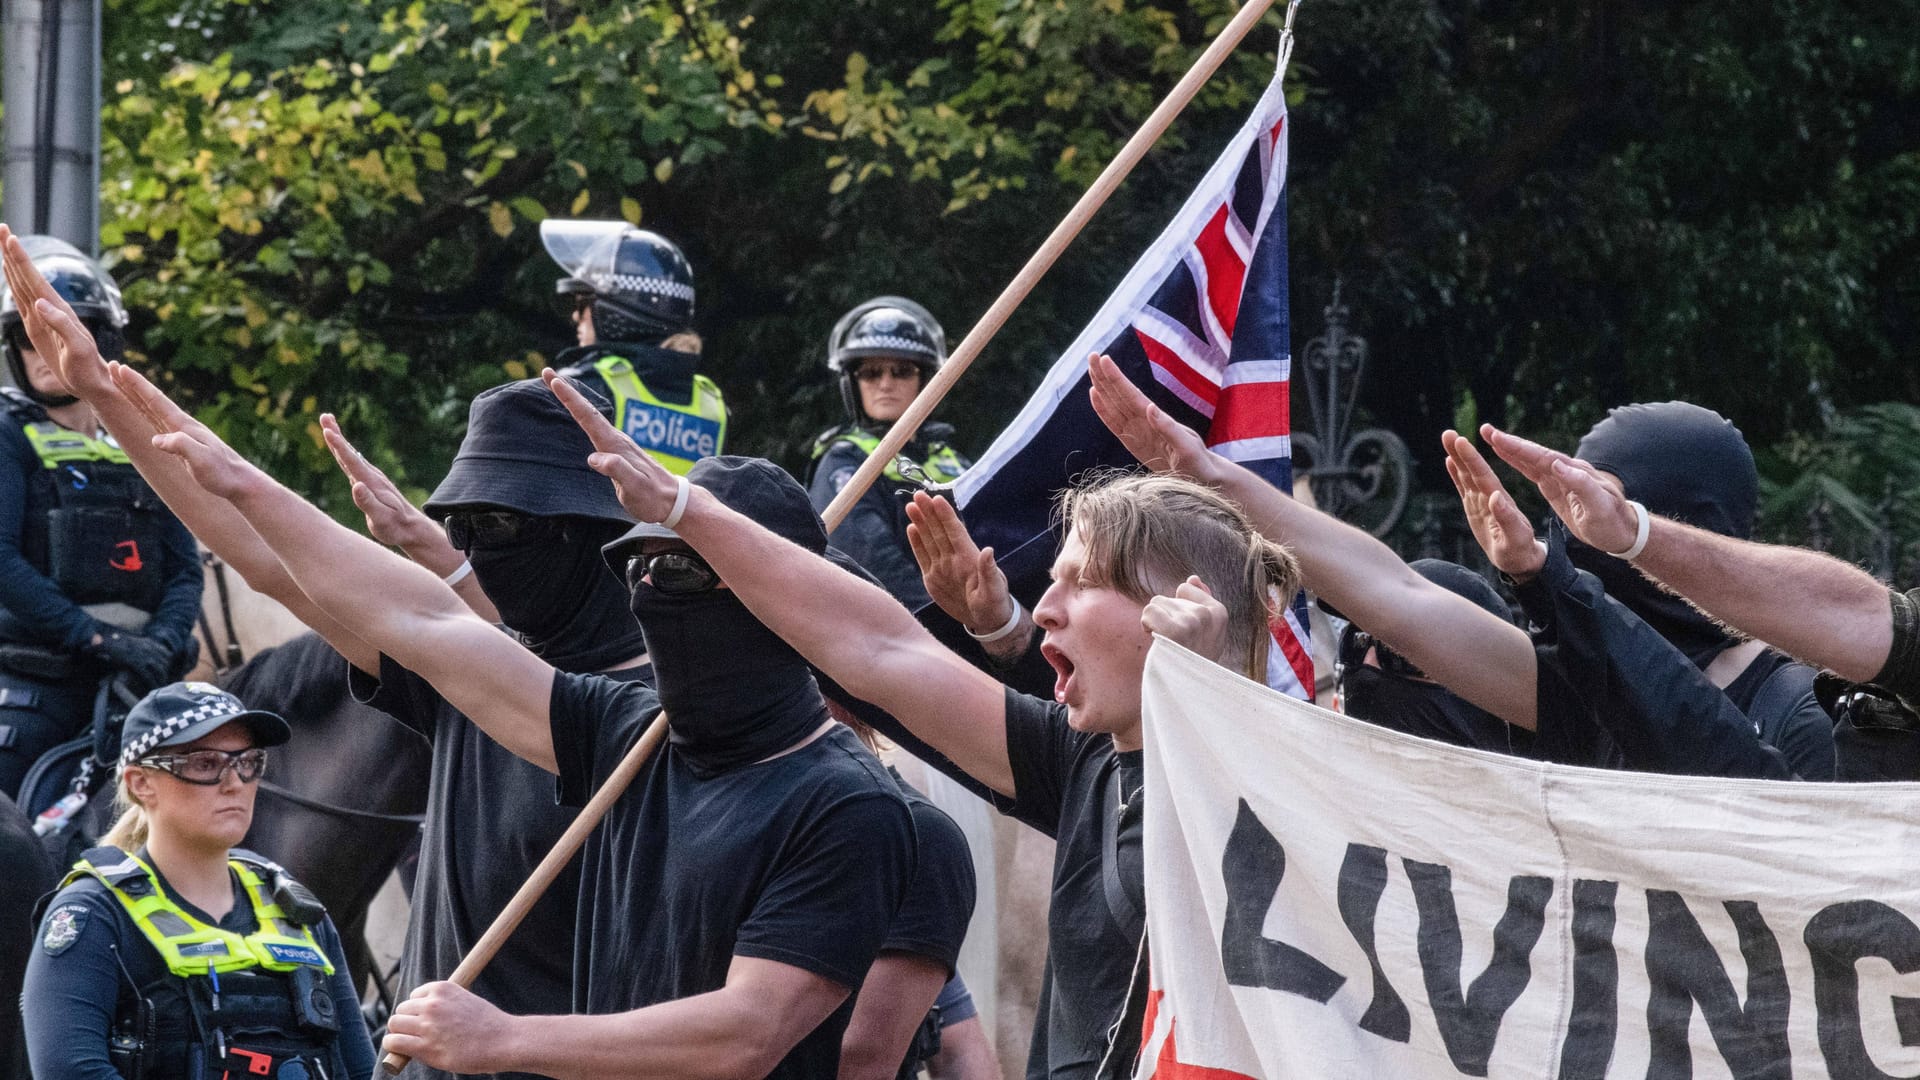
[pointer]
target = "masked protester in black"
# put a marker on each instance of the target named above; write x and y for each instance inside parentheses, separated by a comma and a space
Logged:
(531, 520)
(1692, 465)
(1377, 685)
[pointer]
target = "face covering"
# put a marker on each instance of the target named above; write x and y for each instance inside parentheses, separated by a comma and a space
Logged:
(733, 691)
(1431, 712)
(1682, 462)
(559, 598)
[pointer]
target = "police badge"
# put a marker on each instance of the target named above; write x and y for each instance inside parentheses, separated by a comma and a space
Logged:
(63, 928)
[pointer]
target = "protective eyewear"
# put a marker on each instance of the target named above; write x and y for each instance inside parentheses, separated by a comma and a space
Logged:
(469, 529)
(1353, 652)
(674, 573)
(872, 371)
(205, 767)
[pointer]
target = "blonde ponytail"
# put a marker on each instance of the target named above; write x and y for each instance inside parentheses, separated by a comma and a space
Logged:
(129, 832)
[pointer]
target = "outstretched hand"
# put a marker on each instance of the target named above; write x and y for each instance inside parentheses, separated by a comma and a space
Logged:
(1193, 618)
(644, 486)
(1502, 530)
(391, 518)
(53, 329)
(960, 577)
(1160, 442)
(1591, 509)
(213, 464)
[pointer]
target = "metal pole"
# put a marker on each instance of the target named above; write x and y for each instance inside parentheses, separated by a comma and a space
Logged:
(51, 180)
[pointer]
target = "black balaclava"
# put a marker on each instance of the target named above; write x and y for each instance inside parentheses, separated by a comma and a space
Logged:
(733, 691)
(558, 598)
(1426, 709)
(1682, 462)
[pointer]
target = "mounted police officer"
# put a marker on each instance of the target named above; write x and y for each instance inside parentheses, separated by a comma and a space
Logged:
(884, 352)
(632, 294)
(169, 954)
(96, 575)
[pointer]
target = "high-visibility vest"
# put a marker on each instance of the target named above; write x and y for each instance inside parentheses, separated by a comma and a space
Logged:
(676, 435)
(189, 946)
(942, 465)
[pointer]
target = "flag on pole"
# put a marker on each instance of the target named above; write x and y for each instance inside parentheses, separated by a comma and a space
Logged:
(1200, 323)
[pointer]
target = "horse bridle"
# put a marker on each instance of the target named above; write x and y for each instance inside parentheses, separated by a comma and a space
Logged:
(331, 809)
(232, 656)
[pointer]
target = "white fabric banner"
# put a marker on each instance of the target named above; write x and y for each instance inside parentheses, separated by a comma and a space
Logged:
(1327, 899)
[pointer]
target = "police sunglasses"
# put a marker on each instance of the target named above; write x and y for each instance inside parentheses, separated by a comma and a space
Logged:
(674, 573)
(872, 371)
(1354, 644)
(204, 767)
(468, 529)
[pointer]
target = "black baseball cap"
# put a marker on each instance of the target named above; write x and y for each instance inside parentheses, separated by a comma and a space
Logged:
(525, 452)
(752, 487)
(184, 711)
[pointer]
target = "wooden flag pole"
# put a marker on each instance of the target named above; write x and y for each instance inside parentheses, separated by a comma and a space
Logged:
(1016, 291)
(1043, 259)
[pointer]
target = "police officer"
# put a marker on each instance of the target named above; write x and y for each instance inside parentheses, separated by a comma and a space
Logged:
(169, 954)
(883, 351)
(632, 294)
(95, 574)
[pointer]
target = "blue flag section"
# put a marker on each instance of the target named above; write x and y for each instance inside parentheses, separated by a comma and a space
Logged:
(1200, 323)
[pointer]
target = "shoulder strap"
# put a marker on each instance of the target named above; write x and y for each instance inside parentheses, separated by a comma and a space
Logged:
(110, 865)
(21, 408)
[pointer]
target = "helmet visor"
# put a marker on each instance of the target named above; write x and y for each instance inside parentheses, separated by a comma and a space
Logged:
(584, 249)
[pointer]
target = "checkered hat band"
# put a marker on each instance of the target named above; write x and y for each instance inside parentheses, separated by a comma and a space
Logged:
(679, 290)
(891, 342)
(212, 710)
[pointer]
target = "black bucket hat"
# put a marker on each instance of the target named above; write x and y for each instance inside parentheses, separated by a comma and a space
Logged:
(524, 452)
(184, 711)
(753, 487)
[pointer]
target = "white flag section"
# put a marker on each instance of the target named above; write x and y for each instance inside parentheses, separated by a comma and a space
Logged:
(1327, 899)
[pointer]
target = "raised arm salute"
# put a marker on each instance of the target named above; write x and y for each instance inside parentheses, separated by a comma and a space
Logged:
(1470, 651)
(1133, 564)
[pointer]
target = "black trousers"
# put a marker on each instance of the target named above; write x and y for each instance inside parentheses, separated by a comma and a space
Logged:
(37, 715)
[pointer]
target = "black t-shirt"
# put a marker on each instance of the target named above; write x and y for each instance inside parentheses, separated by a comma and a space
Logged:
(76, 988)
(490, 820)
(1776, 693)
(933, 917)
(802, 860)
(1072, 786)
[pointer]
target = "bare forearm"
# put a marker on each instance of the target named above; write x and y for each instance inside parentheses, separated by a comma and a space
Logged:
(1464, 648)
(717, 1035)
(859, 636)
(1811, 605)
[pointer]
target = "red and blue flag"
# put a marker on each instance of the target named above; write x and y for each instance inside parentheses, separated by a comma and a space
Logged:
(1200, 323)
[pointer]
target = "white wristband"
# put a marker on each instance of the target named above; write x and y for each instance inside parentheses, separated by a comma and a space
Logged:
(681, 493)
(1640, 537)
(460, 573)
(1013, 623)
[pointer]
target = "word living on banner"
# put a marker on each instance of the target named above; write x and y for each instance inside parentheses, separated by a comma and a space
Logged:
(1683, 969)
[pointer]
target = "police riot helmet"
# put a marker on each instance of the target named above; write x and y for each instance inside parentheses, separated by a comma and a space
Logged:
(87, 288)
(640, 282)
(888, 326)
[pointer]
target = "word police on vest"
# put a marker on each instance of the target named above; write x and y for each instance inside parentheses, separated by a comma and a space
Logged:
(677, 433)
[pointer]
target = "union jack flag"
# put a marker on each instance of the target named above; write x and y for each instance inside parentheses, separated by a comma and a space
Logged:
(1200, 323)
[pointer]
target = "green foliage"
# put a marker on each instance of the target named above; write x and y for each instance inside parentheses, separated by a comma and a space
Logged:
(1855, 482)
(1538, 211)
(332, 211)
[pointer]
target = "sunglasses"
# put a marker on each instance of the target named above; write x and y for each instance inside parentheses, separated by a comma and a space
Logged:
(873, 372)
(468, 529)
(204, 767)
(674, 573)
(1353, 652)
